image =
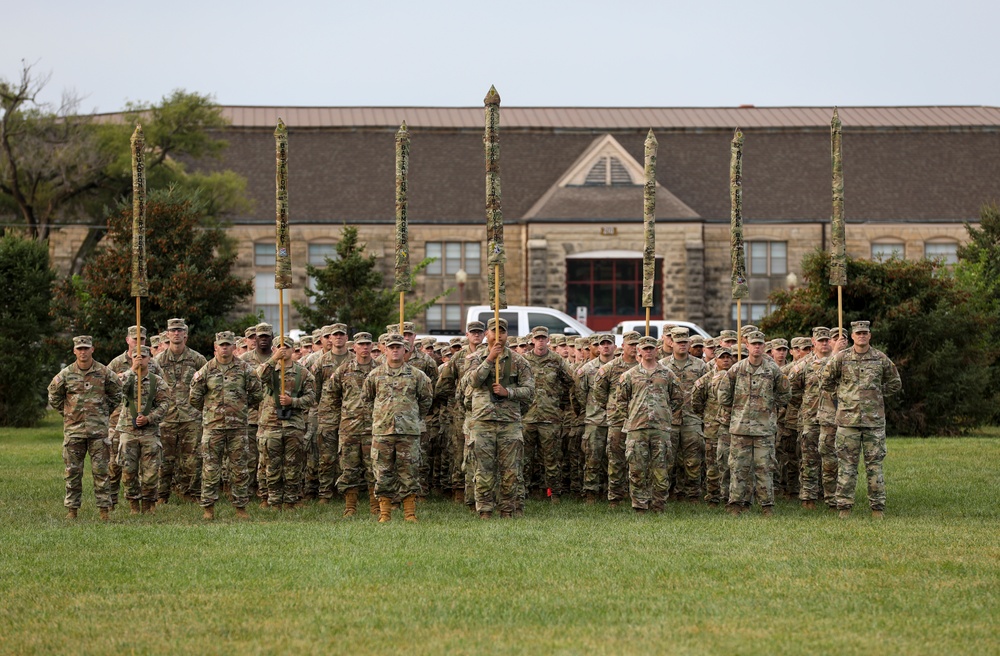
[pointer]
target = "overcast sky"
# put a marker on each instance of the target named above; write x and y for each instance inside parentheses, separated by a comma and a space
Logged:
(537, 52)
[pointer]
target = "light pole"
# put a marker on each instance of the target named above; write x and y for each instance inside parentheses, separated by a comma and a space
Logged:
(461, 277)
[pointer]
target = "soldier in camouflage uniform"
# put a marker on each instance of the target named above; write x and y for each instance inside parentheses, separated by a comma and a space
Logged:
(180, 430)
(715, 417)
(400, 396)
(573, 426)
(139, 427)
(224, 391)
(542, 443)
(85, 393)
(649, 394)
(417, 358)
(446, 391)
(862, 377)
(283, 424)
(688, 436)
(328, 436)
(606, 389)
(755, 390)
(595, 432)
(343, 405)
(256, 449)
(496, 409)
(826, 416)
(121, 365)
(804, 379)
(787, 447)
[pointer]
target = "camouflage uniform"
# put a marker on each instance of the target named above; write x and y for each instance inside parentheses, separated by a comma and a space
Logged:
(426, 364)
(595, 432)
(343, 405)
(400, 398)
(225, 394)
(285, 438)
(496, 429)
(140, 450)
(788, 441)
(541, 422)
(256, 459)
(85, 399)
(446, 392)
(689, 439)
(121, 365)
(180, 430)
(649, 397)
(862, 381)
(754, 394)
(705, 401)
(573, 427)
(327, 433)
(805, 384)
(606, 385)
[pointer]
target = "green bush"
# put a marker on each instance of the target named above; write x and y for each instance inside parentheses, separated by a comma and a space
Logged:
(25, 323)
(923, 318)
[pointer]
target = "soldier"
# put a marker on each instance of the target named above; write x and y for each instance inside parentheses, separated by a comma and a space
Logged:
(709, 351)
(649, 394)
(283, 424)
(573, 425)
(140, 447)
(496, 428)
(696, 349)
(688, 436)
(343, 405)
(826, 417)
(595, 433)
(180, 429)
(755, 390)
(804, 379)
(542, 445)
(84, 393)
(606, 388)
(400, 395)
(420, 360)
(862, 377)
(257, 451)
(154, 344)
(121, 365)
(705, 402)
(327, 436)
(787, 447)
(224, 391)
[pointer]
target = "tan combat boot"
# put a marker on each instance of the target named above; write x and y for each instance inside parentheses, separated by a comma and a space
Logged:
(104, 514)
(844, 513)
(878, 514)
(148, 507)
(323, 501)
(459, 496)
(590, 499)
(71, 513)
(351, 503)
(208, 513)
(384, 509)
(767, 511)
(410, 509)
(372, 502)
(241, 513)
(134, 507)
(809, 505)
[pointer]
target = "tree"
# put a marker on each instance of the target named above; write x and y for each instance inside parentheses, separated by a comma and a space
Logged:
(190, 263)
(922, 318)
(24, 323)
(349, 290)
(979, 269)
(57, 166)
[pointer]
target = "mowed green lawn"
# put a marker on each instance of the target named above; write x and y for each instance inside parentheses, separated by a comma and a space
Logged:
(565, 579)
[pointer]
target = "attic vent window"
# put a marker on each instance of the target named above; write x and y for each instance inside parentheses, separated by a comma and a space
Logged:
(608, 172)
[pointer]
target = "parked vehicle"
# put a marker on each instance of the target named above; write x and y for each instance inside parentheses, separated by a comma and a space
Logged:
(522, 318)
(655, 328)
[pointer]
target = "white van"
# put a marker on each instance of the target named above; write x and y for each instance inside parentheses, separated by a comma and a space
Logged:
(655, 328)
(522, 318)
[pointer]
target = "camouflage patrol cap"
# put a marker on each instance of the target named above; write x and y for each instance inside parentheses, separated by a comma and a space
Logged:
(697, 340)
(756, 337)
(727, 334)
(724, 350)
(605, 337)
(250, 332)
(836, 333)
(558, 339)
(264, 329)
(821, 332)
(680, 335)
(594, 339)
(155, 341)
(362, 338)
(394, 327)
(395, 339)
(582, 342)
(428, 341)
(631, 337)
(83, 341)
(796, 342)
(338, 328)
(465, 341)
(225, 337)
(326, 330)
(317, 334)
(647, 342)
(131, 331)
(539, 331)
(749, 328)
(176, 324)
(711, 342)
(455, 341)
(474, 326)
(491, 324)
(861, 326)
(306, 340)
(382, 338)
(779, 343)
(768, 347)
(145, 352)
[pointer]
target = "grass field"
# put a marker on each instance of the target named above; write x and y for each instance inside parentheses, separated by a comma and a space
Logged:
(565, 579)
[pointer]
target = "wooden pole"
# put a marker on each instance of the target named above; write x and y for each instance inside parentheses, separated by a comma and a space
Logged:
(401, 312)
(739, 329)
(647, 322)
(840, 308)
(281, 332)
(138, 352)
(496, 312)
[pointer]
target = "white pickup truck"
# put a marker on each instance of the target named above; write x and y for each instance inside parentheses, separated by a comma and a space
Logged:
(655, 328)
(522, 318)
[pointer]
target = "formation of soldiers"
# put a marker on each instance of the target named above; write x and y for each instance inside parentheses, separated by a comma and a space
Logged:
(487, 420)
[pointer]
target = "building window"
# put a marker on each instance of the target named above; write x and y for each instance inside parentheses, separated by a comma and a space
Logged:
(767, 258)
(263, 255)
(608, 172)
(882, 251)
(265, 298)
(752, 312)
(444, 318)
(318, 253)
(947, 252)
(609, 287)
(452, 256)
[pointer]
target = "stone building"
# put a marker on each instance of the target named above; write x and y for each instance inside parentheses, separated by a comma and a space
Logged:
(572, 198)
